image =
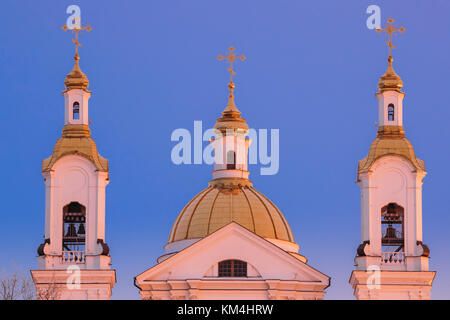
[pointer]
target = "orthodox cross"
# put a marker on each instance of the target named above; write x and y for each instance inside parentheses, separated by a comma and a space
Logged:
(390, 30)
(231, 58)
(77, 29)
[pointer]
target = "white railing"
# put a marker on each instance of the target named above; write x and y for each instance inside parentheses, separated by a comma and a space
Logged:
(393, 257)
(74, 256)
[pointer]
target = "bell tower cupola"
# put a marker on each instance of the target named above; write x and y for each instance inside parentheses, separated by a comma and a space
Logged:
(390, 99)
(231, 143)
(76, 95)
(392, 261)
(74, 261)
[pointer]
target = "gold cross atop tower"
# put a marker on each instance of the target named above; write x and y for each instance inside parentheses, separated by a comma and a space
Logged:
(77, 29)
(231, 58)
(390, 30)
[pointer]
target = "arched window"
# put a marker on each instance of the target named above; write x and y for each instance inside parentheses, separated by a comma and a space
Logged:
(231, 160)
(391, 112)
(76, 111)
(232, 268)
(392, 231)
(74, 231)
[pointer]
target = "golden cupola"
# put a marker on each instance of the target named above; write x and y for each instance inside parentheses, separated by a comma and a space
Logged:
(218, 205)
(76, 135)
(76, 79)
(230, 196)
(231, 116)
(391, 139)
(390, 80)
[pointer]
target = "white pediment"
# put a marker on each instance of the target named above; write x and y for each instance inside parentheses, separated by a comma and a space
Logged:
(233, 242)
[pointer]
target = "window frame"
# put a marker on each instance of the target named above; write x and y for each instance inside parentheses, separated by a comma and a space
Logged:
(236, 269)
(391, 112)
(76, 111)
(74, 214)
(397, 223)
(231, 166)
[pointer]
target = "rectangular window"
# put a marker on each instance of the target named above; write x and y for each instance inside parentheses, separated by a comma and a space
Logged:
(391, 112)
(76, 111)
(232, 268)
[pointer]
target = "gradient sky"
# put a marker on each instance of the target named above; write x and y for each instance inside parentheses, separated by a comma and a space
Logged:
(311, 72)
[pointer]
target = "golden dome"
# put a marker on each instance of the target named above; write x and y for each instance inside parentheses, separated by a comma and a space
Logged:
(76, 139)
(390, 140)
(76, 79)
(390, 80)
(223, 202)
(231, 199)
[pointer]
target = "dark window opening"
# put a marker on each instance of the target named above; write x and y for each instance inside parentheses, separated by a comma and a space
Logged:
(231, 160)
(392, 231)
(232, 268)
(391, 112)
(76, 111)
(74, 231)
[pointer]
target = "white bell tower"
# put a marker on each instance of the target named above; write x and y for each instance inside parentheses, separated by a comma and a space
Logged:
(231, 144)
(392, 260)
(74, 261)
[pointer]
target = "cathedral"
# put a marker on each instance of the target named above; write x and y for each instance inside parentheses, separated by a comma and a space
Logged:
(201, 260)
(230, 241)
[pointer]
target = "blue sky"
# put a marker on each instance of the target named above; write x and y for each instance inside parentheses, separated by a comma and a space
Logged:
(311, 72)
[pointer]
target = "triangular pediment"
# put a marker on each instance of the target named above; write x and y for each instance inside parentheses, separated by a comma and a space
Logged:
(233, 242)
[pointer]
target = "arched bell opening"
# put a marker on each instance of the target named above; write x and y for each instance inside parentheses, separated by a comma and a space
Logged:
(74, 232)
(392, 233)
(391, 112)
(76, 111)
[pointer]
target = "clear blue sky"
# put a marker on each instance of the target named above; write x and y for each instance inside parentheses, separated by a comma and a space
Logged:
(312, 72)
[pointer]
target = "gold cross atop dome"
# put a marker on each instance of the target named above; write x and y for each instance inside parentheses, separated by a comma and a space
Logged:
(390, 80)
(231, 115)
(231, 58)
(77, 30)
(390, 30)
(76, 79)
